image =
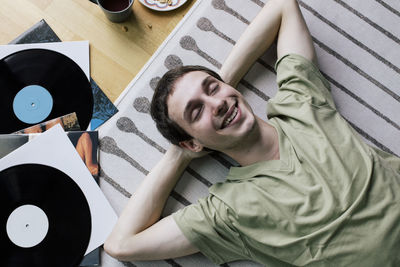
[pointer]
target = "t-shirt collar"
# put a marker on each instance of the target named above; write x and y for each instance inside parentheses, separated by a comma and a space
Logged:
(263, 167)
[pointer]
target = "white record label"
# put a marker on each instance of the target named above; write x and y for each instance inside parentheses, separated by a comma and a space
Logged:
(27, 226)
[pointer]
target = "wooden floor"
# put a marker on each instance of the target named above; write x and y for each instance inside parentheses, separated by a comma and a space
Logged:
(117, 51)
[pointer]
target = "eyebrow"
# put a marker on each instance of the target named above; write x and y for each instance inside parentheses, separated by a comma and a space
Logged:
(204, 84)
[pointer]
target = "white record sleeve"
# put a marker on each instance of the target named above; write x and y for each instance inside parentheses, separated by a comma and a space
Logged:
(53, 148)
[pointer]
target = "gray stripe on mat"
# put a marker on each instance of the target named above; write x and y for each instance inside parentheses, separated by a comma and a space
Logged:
(108, 145)
(349, 37)
(387, 6)
(367, 20)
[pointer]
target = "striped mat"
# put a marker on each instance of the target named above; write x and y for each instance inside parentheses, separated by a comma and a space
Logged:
(357, 43)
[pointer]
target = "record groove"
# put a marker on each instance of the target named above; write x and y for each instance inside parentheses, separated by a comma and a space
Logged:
(55, 72)
(62, 201)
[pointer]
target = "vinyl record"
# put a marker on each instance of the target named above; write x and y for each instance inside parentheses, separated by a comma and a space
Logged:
(39, 85)
(45, 219)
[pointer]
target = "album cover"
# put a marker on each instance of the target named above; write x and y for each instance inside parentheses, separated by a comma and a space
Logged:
(41, 32)
(10, 142)
(35, 217)
(85, 142)
(68, 122)
(43, 82)
(52, 148)
(103, 108)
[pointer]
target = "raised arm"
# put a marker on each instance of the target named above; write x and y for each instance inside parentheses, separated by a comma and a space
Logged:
(278, 19)
(137, 234)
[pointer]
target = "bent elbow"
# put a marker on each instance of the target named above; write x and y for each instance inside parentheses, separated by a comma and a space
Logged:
(111, 248)
(115, 249)
(120, 250)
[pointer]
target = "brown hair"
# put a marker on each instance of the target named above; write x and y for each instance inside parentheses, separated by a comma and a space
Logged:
(159, 108)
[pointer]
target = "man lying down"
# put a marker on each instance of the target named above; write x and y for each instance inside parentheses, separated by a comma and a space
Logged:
(309, 191)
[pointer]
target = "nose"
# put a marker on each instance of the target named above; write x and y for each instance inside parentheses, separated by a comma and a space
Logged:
(219, 106)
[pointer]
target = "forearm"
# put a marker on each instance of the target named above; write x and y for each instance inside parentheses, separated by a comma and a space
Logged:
(254, 41)
(147, 202)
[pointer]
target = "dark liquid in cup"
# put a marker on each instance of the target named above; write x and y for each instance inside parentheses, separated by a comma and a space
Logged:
(114, 5)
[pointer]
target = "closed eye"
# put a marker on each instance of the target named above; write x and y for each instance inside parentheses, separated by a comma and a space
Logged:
(213, 88)
(196, 112)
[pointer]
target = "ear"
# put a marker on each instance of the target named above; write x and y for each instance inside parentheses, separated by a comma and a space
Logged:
(192, 144)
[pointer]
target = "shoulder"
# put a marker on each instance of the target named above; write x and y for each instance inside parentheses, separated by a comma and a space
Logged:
(299, 79)
(294, 64)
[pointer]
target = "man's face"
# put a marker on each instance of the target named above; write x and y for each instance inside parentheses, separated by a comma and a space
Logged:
(214, 113)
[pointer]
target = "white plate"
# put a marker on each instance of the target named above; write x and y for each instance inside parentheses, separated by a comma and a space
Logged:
(156, 5)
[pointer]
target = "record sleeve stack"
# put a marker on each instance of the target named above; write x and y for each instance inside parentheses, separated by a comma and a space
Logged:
(54, 209)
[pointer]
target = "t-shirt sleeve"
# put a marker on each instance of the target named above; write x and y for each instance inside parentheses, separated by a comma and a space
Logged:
(206, 226)
(300, 80)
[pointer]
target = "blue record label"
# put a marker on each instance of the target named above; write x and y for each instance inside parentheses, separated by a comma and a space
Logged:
(32, 104)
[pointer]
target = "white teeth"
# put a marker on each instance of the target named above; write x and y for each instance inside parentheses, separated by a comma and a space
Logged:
(233, 115)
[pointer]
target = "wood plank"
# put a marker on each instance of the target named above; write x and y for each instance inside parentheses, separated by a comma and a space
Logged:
(117, 50)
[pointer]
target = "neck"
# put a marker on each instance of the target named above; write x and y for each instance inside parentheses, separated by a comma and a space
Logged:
(261, 145)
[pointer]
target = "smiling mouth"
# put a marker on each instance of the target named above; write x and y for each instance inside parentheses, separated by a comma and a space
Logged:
(231, 117)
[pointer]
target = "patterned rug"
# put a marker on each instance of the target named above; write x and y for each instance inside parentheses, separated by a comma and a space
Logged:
(358, 48)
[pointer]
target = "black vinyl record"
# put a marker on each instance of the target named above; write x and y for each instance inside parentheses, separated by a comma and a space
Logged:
(54, 74)
(32, 194)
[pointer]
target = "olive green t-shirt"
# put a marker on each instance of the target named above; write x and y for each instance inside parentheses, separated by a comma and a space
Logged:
(330, 200)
